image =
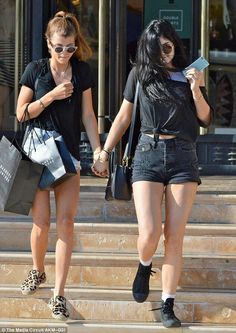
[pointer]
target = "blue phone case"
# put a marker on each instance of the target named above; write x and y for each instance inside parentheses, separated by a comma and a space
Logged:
(199, 64)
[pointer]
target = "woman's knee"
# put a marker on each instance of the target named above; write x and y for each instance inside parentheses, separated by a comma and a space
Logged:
(149, 238)
(173, 243)
(65, 226)
(41, 223)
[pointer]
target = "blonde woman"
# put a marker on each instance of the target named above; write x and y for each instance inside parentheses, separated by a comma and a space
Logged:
(63, 96)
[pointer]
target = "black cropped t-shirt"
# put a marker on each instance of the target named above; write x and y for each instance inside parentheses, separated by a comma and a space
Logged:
(62, 115)
(176, 117)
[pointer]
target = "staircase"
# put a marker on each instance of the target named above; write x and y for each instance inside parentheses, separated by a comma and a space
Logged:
(105, 260)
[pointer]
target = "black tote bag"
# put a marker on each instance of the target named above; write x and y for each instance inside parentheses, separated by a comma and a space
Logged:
(119, 182)
(19, 178)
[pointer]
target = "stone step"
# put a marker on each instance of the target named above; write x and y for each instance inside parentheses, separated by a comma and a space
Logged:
(210, 184)
(83, 326)
(215, 202)
(207, 208)
(202, 306)
(118, 271)
(122, 237)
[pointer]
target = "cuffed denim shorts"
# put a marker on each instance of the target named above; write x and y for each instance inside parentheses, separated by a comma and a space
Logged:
(42, 134)
(166, 161)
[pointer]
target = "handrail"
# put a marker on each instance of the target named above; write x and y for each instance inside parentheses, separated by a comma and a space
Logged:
(17, 55)
(101, 65)
(205, 40)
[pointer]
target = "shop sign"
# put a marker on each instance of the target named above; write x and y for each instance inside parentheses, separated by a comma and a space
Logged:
(178, 12)
(175, 17)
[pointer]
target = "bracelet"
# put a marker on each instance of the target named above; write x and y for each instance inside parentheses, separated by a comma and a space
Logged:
(108, 151)
(198, 98)
(41, 104)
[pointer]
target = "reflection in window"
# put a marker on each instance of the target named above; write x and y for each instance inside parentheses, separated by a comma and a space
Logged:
(223, 31)
(222, 57)
(7, 56)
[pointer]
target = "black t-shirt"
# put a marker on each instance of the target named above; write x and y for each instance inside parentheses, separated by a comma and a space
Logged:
(61, 115)
(174, 117)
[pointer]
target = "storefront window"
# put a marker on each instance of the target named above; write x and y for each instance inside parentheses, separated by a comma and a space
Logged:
(7, 63)
(134, 29)
(223, 59)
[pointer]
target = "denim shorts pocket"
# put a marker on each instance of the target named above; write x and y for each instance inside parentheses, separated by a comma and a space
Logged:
(143, 147)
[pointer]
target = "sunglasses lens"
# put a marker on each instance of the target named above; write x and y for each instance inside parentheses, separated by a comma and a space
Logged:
(58, 49)
(166, 48)
(71, 49)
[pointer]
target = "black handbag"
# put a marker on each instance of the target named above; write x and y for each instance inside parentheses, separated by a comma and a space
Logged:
(119, 185)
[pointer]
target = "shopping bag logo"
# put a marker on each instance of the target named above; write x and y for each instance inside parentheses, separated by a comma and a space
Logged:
(5, 174)
(48, 162)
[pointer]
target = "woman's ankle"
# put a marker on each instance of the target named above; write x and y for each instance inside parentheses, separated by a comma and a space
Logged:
(41, 269)
(58, 293)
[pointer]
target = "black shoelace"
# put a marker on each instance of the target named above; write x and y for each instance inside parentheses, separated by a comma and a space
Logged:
(167, 308)
(146, 272)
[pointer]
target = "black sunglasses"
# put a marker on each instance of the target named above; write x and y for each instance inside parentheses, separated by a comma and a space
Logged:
(60, 49)
(167, 48)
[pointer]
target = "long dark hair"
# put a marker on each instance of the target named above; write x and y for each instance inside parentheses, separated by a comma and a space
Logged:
(151, 71)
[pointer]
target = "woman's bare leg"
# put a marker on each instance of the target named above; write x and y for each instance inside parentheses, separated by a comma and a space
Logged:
(67, 200)
(41, 225)
(179, 200)
(148, 199)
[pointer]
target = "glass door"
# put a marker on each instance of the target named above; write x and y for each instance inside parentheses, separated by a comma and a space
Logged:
(7, 63)
(222, 81)
(15, 48)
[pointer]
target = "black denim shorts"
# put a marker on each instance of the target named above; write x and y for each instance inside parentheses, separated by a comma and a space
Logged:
(167, 161)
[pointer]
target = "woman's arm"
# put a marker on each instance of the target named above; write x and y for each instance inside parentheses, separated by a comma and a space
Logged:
(118, 128)
(35, 108)
(196, 80)
(90, 122)
(25, 97)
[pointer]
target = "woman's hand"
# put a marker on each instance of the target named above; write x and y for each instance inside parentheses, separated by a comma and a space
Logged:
(96, 154)
(100, 165)
(195, 77)
(62, 91)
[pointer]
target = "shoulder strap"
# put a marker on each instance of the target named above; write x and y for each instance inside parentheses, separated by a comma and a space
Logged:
(40, 66)
(127, 153)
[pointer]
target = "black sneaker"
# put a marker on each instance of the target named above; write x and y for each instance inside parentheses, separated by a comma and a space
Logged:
(141, 283)
(168, 317)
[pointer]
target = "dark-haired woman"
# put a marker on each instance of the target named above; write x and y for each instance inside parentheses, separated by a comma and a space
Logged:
(172, 107)
(58, 91)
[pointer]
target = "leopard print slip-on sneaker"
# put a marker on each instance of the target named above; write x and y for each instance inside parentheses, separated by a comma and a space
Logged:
(32, 282)
(58, 308)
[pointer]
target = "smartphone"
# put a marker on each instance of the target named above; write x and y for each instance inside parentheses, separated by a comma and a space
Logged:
(199, 64)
